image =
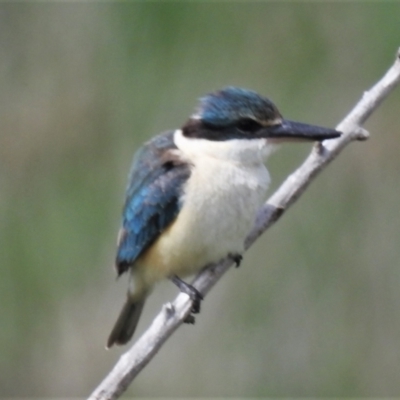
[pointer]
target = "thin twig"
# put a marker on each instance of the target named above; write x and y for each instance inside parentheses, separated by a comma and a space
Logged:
(173, 314)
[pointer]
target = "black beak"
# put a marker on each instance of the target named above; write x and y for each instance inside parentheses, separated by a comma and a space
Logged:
(290, 130)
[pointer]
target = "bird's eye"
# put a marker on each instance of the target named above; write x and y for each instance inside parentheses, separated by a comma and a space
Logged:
(248, 125)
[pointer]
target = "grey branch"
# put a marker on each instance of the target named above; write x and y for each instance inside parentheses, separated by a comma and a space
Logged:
(173, 314)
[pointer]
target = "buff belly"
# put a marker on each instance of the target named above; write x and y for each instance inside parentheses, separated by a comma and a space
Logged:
(220, 205)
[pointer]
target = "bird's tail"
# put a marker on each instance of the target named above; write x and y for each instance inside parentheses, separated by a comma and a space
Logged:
(127, 321)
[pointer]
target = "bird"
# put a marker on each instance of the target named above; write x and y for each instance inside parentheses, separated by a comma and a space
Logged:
(193, 194)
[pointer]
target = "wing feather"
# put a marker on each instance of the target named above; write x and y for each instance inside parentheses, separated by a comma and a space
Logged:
(153, 194)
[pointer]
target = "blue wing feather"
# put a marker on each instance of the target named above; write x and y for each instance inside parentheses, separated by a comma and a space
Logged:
(152, 198)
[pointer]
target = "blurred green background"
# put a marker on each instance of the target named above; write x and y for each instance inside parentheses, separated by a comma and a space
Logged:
(315, 308)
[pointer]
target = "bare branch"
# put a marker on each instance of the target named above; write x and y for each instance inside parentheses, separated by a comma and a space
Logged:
(173, 314)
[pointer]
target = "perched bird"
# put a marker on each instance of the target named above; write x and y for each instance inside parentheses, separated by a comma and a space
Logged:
(193, 194)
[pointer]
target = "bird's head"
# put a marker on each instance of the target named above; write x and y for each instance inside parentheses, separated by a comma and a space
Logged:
(234, 114)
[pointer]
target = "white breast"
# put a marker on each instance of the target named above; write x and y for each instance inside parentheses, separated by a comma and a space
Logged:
(227, 186)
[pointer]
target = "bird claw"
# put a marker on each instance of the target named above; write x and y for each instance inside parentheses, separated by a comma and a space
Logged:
(190, 319)
(236, 258)
(194, 295)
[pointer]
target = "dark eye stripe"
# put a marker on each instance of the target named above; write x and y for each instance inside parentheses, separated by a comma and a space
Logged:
(248, 125)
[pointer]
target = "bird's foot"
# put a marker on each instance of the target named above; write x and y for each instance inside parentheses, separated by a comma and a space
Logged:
(237, 258)
(193, 293)
(190, 319)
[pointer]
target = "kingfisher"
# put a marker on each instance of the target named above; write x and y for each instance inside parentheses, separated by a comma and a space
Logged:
(193, 194)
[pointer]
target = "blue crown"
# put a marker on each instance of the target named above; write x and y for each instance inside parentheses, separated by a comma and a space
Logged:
(230, 104)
